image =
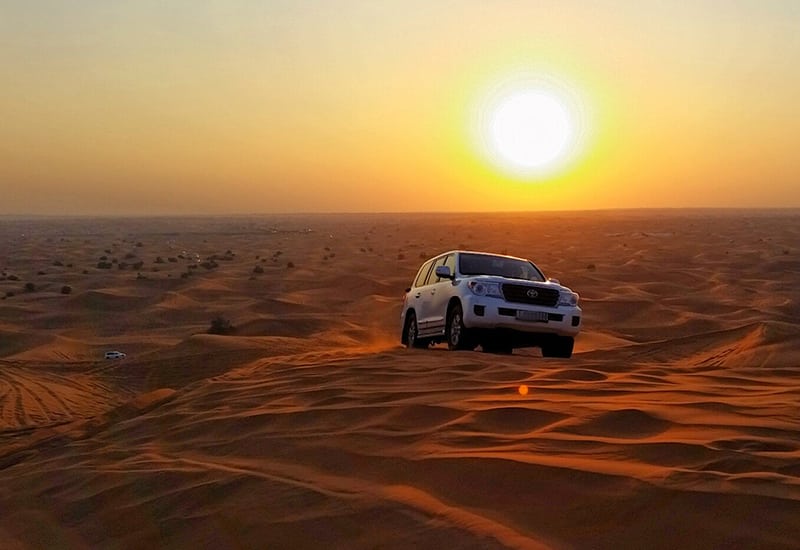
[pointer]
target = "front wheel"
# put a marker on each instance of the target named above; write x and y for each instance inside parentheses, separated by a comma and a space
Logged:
(458, 336)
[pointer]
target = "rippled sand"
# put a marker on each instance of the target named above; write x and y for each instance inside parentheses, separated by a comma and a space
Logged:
(674, 425)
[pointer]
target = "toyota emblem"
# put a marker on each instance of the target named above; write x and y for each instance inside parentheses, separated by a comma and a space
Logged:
(532, 293)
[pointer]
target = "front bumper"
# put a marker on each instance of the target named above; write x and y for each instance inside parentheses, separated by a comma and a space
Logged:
(487, 313)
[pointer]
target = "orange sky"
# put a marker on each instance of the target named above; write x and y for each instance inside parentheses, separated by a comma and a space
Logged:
(244, 107)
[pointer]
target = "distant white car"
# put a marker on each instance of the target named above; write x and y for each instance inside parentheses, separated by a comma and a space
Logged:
(499, 302)
(115, 355)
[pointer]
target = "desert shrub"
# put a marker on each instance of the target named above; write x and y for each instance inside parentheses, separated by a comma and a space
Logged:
(258, 269)
(30, 287)
(122, 265)
(139, 244)
(220, 325)
(130, 256)
(185, 274)
(172, 259)
(70, 265)
(209, 264)
(58, 263)
(104, 265)
(159, 260)
(137, 265)
(103, 258)
(401, 256)
(9, 294)
(139, 277)
(85, 272)
(290, 265)
(591, 267)
(41, 272)
(66, 289)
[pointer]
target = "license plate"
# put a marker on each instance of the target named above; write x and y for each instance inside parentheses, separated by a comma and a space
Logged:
(536, 316)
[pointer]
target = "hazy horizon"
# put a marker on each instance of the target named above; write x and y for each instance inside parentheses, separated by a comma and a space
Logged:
(206, 108)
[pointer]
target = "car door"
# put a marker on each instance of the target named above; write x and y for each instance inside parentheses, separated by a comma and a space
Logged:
(416, 295)
(439, 295)
(426, 293)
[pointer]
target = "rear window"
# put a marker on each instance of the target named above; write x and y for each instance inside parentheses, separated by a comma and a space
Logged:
(486, 264)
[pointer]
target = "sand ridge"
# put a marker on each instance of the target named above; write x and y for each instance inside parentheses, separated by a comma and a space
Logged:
(674, 425)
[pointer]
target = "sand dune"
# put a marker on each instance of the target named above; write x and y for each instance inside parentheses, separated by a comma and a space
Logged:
(675, 424)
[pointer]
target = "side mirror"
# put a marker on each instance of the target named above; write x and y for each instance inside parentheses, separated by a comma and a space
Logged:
(556, 281)
(443, 272)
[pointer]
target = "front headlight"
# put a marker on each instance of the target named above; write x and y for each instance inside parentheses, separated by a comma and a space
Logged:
(568, 298)
(480, 288)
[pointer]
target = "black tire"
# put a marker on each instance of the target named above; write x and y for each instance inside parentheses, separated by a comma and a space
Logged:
(412, 340)
(458, 336)
(558, 346)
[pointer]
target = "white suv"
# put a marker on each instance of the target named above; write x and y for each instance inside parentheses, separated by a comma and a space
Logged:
(500, 302)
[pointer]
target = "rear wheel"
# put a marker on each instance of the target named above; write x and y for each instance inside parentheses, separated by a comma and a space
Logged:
(412, 332)
(458, 336)
(558, 346)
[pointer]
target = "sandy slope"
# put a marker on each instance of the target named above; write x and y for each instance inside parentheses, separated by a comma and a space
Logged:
(675, 424)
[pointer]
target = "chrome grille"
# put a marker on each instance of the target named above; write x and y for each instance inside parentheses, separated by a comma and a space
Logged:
(528, 294)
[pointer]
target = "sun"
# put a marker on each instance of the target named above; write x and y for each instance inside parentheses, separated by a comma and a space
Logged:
(530, 129)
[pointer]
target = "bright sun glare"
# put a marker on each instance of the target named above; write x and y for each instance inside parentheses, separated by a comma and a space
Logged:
(530, 128)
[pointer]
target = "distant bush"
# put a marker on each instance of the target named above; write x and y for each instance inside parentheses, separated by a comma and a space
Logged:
(66, 289)
(591, 267)
(258, 269)
(172, 259)
(220, 325)
(41, 273)
(159, 260)
(401, 256)
(130, 256)
(290, 265)
(104, 265)
(30, 287)
(9, 294)
(58, 263)
(137, 265)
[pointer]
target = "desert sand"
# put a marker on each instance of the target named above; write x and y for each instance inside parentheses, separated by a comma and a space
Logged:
(676, 424)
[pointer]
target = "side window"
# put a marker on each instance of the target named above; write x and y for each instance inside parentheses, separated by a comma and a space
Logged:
(450, 262)
(423, 273)
(432, 278)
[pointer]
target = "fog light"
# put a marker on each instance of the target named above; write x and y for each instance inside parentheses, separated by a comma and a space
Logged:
(576, 321)
(479, 310)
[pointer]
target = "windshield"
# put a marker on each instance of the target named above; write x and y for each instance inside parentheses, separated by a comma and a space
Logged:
(486, 264)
